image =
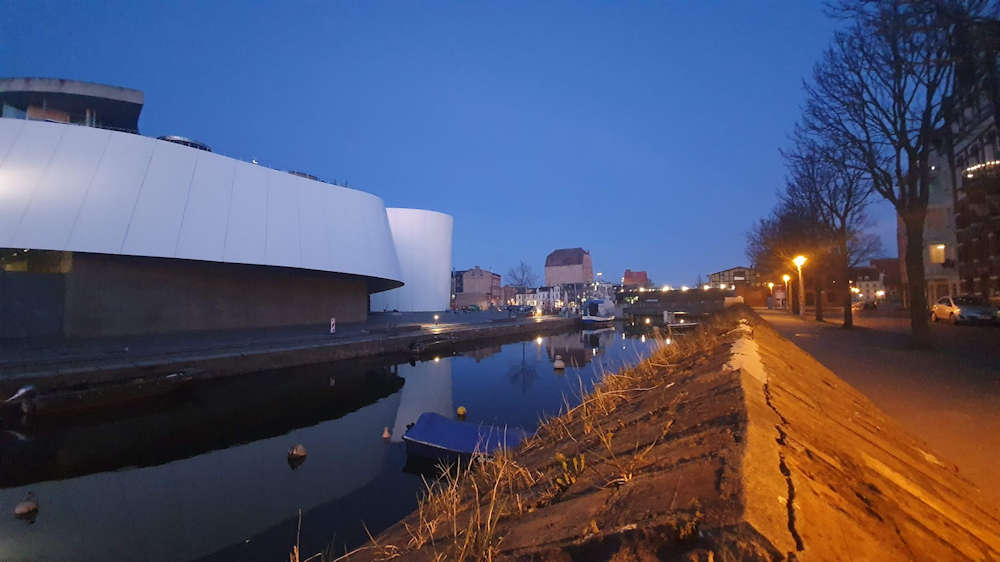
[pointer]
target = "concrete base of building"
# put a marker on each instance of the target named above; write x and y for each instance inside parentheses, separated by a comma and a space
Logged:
(108, 295)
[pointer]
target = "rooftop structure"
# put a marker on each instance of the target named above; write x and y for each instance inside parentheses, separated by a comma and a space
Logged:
(71, 101)
(734, 276)
(568, 266)
(635, 279)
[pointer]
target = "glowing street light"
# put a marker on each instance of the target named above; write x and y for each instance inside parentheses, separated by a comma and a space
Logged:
(786, 278)
(685, 288)
(770, 286)
(799, 261)
(435, 318)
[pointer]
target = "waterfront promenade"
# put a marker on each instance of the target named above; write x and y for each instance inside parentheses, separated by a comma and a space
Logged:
(62, 362)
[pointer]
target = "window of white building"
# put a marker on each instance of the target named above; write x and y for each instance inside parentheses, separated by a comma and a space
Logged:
(937, 253)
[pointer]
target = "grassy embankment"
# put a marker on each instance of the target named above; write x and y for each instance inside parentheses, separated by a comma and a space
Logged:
(582, 483)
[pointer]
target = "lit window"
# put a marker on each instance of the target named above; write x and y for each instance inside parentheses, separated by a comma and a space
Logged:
(937, 253)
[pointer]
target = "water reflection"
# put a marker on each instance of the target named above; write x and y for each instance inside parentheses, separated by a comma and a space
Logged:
(205, 475)
(192, 421)
(427, 389)
(523, 374)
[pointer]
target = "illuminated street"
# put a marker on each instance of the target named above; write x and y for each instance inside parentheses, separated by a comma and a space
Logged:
(947, 396)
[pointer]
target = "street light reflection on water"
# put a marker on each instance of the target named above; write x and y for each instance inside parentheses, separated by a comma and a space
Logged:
(203, 475)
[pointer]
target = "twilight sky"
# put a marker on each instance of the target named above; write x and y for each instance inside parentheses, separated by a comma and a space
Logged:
(645, 132)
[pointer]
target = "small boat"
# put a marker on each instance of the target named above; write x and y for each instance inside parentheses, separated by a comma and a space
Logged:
(678, 321)
(597, 312)
(593, 321)
(437, 437)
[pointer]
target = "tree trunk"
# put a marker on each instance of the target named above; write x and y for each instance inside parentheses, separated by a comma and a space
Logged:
(793, 297)
(914, 262)
(845, 271)
(819, 298)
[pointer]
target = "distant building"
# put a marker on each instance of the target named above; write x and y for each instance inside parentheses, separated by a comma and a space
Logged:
(548, 299)
(509, 293)
(976, 150)
(568, 266)
(635, 279)
(476, 287)
(869, 283)
(104, 232)
(940, 240)
(892, 276)
(734, 276)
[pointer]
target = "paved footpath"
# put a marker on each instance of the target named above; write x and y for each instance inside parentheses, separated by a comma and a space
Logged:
(42, 355)
(949, 396)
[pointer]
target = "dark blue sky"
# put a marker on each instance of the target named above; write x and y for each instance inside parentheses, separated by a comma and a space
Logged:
(645, 132)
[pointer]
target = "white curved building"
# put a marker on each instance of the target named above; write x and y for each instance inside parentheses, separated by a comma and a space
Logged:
(423, 245)
(152, 236)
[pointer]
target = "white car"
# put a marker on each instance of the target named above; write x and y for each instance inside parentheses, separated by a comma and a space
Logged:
(964, 309)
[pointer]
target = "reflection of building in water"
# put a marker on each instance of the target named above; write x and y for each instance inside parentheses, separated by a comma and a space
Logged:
(523, 372)
(163, 511)
(195, 420)
(570, 346)
(483, 352)
(578, 349)
(427, 389)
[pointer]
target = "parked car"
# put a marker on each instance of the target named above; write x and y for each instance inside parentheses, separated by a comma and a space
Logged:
(964, 309)
(864, 305)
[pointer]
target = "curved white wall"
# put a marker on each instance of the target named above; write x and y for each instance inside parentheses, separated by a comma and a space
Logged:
(423, 243)
(67, 187)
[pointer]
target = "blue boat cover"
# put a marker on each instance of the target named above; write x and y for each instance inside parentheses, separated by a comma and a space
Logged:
(438, 432)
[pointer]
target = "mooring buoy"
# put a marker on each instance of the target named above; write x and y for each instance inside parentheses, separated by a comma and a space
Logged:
(28, 508)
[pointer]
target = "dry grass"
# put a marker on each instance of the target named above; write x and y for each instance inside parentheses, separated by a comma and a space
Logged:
(458, 514)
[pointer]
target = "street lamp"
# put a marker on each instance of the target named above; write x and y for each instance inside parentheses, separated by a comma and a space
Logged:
(799, 261)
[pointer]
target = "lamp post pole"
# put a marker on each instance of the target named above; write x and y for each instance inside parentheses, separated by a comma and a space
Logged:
(799, 261)
(788, 291)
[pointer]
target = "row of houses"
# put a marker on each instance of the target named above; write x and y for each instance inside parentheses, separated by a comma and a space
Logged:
(569, 275)
(880, 280)
(569, 279)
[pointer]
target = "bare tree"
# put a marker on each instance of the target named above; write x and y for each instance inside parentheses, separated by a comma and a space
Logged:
(822, 184)
(878, 93)
(790, 230)
(522, 276)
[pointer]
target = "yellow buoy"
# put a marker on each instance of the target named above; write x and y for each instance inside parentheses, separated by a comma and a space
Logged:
(461, 411)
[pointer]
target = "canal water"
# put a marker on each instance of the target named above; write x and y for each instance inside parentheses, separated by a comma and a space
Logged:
(203, 474)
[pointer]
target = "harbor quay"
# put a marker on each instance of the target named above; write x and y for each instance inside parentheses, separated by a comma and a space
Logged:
(91, 374)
